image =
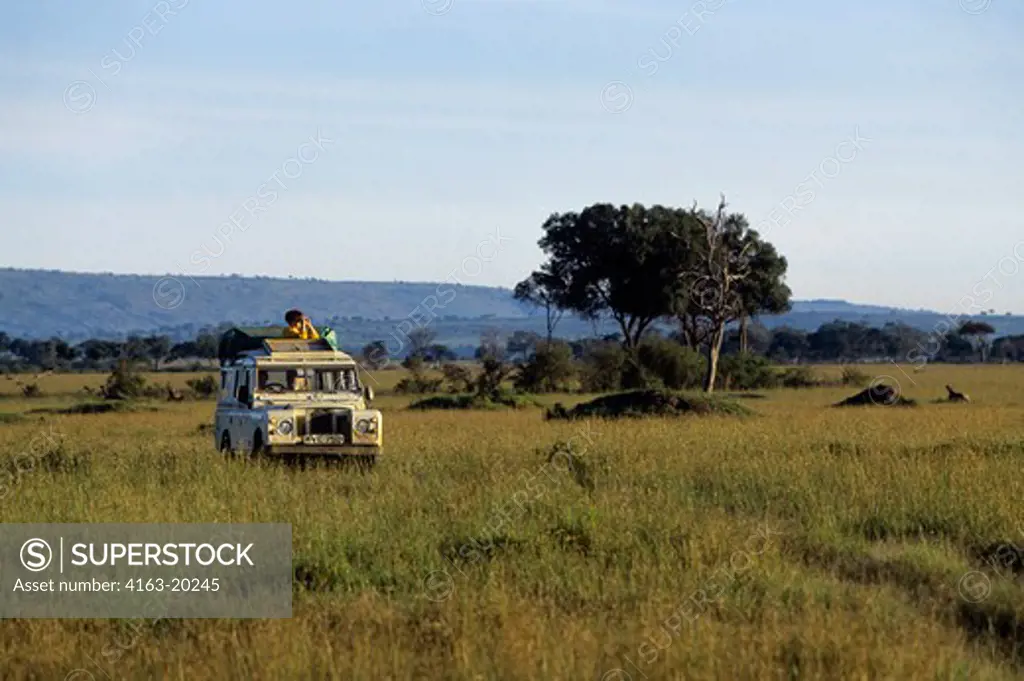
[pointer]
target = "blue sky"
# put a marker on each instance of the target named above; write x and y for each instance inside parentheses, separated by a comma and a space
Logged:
(132, 132)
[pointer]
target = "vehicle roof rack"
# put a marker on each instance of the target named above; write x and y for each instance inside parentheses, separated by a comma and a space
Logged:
(271, 339)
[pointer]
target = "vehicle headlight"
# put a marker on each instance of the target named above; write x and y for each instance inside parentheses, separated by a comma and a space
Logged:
(285, 427)
(364, 426)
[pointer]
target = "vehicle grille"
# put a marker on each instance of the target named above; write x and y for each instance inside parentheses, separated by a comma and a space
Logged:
(328, 422)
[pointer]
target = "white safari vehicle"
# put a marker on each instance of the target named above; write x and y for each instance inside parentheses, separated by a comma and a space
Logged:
(292, 397)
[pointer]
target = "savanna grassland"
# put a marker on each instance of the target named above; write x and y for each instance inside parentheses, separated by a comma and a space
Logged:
(802, 542)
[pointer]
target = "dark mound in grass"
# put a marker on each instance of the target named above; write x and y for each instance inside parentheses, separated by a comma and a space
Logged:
(880, 395)
(639, 403)
(474, 402)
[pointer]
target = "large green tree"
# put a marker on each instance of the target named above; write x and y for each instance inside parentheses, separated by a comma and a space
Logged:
(610, 261)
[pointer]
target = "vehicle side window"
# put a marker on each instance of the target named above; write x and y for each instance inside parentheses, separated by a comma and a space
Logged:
(243, 382)
(227, 383)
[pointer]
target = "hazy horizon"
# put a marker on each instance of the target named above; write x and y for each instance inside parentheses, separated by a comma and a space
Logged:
(432, 283)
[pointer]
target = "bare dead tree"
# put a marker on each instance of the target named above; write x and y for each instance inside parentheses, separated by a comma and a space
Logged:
(714, 284)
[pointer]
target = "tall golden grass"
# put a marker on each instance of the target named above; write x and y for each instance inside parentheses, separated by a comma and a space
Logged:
(802, 543)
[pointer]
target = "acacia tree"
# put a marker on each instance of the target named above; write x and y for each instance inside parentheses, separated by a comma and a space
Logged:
(521, 344)
(491, 345)
(978, 333)
(541, 290)
(732, 275)
(609, 261)
(439, 352)
(420, 340)
(157, 347)
(375, 354)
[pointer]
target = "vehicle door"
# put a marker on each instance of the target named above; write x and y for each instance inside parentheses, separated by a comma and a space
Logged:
(241, 417)
(238, 410)
(225, 405)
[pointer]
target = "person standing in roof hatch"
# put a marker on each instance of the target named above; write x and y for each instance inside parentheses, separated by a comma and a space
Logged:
(299, 326)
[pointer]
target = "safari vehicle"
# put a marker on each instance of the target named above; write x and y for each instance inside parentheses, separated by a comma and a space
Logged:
(292, 397)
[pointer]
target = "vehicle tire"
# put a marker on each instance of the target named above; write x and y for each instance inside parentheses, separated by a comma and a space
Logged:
(225, 444)
(258, 448)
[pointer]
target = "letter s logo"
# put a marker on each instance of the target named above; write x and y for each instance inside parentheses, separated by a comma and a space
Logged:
(39, 555)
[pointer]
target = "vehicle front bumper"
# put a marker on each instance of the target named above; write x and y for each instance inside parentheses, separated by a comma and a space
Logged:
(323, 450)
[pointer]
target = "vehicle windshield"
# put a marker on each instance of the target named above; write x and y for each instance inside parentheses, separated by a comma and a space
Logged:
(307, 379)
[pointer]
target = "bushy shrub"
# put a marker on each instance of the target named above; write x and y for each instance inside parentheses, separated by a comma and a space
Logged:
(655, 363)
(458, 378)
(800, 377)
(608, 367)
(603, 365)
(204, 387)
(31, 390)
(551, 369)
(746, 371)
(493, 373)
(418, 383)
(854, 377)
(636, 375)
(124, 383)
(667, 363)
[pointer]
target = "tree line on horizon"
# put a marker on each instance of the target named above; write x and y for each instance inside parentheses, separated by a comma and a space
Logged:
(837, 341)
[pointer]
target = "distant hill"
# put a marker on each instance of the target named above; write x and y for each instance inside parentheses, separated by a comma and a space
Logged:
(42, 303)
(75, 306)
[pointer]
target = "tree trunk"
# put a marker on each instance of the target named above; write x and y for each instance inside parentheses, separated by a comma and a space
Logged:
(685, 333)
(714, 351)
(743, 334)
(632, 332)
(625, 329)
(689, 327)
